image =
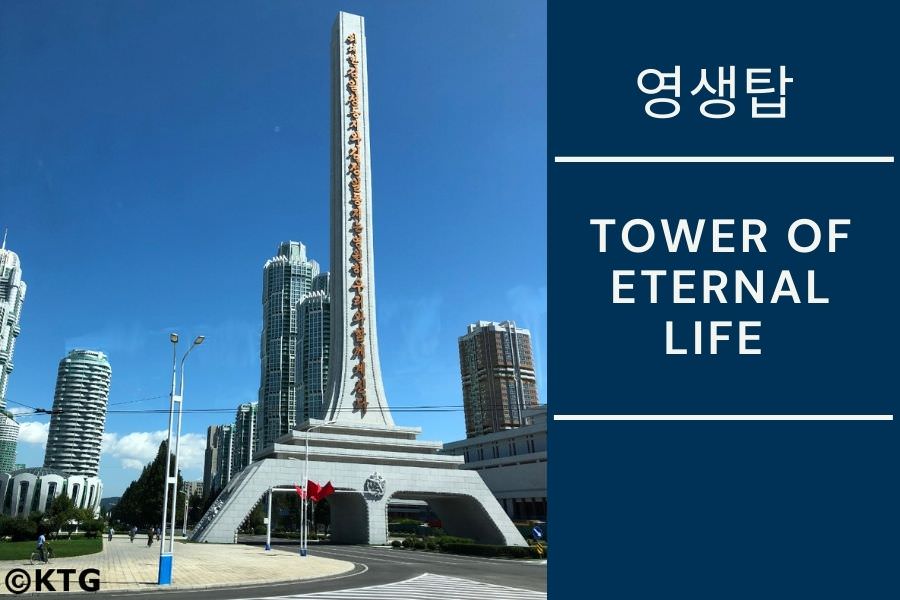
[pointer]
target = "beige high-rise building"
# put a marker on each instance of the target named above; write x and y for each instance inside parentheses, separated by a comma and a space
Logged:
(498, 381)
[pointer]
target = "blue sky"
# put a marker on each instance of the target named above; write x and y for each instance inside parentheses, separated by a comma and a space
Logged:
(154, 154)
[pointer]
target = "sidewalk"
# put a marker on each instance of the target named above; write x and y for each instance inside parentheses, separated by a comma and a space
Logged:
(127, 566)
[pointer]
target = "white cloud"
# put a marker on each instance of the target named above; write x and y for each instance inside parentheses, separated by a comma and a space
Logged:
(34, 433)
(138, 448)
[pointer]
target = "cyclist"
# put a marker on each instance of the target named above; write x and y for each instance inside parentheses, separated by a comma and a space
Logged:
(41, 546)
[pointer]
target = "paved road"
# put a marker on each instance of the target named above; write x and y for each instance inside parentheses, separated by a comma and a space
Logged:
(428, 586)
(381, 566)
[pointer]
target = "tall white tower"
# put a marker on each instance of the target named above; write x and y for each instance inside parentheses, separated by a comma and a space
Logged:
(355, 392)
(12, 296)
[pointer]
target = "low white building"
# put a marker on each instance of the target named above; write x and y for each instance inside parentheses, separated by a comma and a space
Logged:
(513, 464)
(27, 490)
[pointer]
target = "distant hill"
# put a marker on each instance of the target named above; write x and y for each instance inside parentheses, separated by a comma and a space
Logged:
(107, 503)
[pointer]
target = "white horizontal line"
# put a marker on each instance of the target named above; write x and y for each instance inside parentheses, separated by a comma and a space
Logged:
(723, 417)
(724, 159)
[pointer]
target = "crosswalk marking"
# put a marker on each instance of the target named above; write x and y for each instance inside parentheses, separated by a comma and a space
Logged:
(428, 587)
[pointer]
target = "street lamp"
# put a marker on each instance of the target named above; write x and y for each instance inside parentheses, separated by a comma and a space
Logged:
(303, 500)
(165, 558)
(186, 507)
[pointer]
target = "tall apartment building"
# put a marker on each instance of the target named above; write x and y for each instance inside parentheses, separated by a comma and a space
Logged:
(9, 437)
(214, 457)
(243, 437)
(79, 413)
(12, 296)
(287, 277)
(498, 382)
(313, 345)
(193, 488)
(225, 457)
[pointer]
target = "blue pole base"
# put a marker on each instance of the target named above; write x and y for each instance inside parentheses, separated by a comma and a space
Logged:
(165, 569)
(268, 546)
(302, 551)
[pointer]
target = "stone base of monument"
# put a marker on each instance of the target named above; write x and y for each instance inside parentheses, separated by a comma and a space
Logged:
(368, 467)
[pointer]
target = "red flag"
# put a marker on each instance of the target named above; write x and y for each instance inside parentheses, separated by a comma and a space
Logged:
(299, 490)
(326, 491)
(313, 490)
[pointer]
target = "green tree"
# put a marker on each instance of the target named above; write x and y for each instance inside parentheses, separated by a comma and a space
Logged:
(61, 511)
(195, 509)
(141, 503)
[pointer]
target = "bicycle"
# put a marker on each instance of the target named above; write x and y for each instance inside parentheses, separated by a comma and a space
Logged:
(36, 555)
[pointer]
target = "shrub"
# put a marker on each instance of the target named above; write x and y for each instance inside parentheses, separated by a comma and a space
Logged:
(408, 542)
(92, 527)
(419, 545)
(451, 539)
(396, 544)
(20, 530)
(403, 527)
(259, 530)
(430, 545)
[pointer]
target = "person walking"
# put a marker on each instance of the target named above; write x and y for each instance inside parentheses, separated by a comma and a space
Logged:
(132, 533)
(150, 533)
(111, 530)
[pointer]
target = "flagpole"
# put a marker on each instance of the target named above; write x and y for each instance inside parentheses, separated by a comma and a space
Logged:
(304, 496)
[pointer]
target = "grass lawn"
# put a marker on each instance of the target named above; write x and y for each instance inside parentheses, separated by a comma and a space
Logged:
(74, 547)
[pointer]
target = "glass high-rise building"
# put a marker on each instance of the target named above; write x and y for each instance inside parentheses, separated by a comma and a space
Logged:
(287, 277)
(79, 413)
(243, 437)
(498, 381)
(12, 296)
(313, 345)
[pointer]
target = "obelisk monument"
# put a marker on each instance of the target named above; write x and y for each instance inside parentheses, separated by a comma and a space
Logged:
(369, 460)
(355, 392)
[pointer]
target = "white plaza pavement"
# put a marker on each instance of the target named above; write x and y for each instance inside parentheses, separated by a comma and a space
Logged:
(133, 566)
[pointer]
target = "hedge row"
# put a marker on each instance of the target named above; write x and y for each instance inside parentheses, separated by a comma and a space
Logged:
(471, 549)
(492, 550)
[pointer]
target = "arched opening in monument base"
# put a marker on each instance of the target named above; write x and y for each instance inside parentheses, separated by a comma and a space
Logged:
(349, 518)
(460, 515)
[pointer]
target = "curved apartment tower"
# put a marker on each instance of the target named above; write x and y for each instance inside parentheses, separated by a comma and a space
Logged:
(79, 413)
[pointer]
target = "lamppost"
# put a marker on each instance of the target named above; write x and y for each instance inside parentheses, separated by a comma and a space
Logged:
(186, 507)
(303, 500)
(165, 558)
